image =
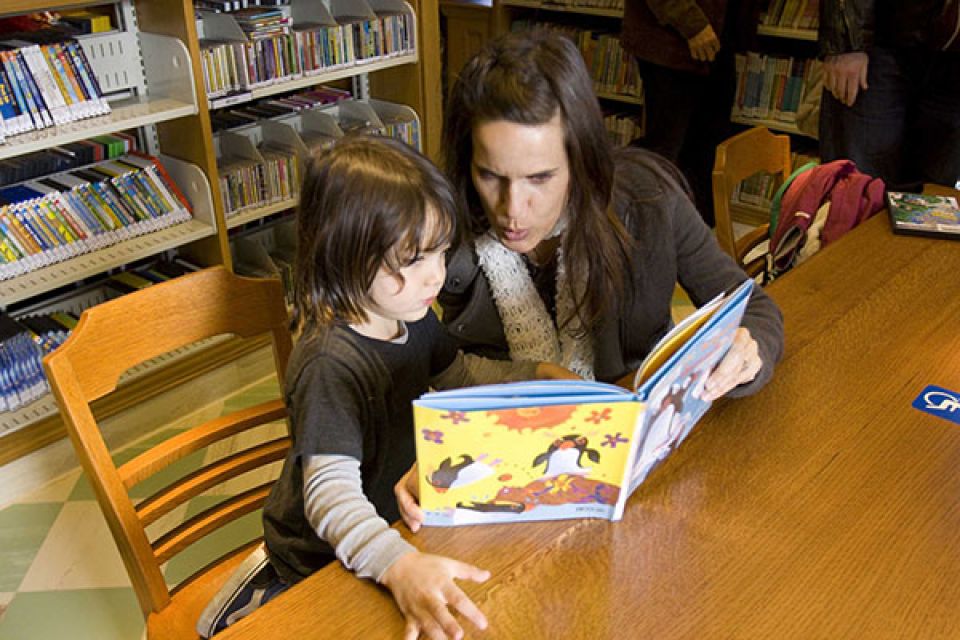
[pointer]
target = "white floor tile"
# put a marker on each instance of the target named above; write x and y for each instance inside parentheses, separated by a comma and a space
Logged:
(78, 553)
(55, 491)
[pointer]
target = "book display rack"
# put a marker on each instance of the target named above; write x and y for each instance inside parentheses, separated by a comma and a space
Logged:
(148, 71)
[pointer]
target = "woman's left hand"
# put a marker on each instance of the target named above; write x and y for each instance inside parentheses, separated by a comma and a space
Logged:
(740, 365)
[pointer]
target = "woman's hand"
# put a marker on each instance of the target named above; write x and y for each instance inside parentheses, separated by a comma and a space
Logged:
(407, 492)
(424, 588)
(705, 45)
(741, 364)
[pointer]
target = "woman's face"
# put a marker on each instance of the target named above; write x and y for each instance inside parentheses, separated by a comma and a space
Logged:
(522, 174)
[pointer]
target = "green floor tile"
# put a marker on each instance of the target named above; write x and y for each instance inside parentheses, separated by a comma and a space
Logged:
(214, 545)
(84, 614)
(23, 528)
(84, 491)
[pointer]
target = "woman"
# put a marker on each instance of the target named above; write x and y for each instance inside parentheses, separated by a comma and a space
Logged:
(575, 247)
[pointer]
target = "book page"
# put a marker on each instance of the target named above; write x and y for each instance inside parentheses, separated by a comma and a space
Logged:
(524, 461)
(674, 340)
(673, 393)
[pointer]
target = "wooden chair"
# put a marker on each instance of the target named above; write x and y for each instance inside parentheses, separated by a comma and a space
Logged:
(119, 334)
(739, 157)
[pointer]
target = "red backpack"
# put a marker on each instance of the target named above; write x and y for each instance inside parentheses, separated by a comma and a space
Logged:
(820, 205)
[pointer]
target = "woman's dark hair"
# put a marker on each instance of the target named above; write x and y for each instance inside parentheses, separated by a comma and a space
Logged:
(368, 202)
(527, 78)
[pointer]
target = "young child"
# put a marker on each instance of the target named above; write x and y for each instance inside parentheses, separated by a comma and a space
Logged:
(375, 221)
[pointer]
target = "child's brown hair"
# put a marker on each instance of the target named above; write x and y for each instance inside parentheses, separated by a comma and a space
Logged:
(368, 202)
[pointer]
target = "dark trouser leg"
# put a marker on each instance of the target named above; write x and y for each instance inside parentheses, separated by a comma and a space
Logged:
(932, 150)
(669, 98)
(685, 119)
(871, 132)
(709, 126)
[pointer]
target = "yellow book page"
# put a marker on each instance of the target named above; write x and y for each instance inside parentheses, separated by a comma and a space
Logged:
(529, 463)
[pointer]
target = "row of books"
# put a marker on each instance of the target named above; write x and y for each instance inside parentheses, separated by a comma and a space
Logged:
(771, 87)
(402, 128)
(43, 85)
(51, 219)
(288, 53)
(252, 112)
(573, 4)
(614, 71)
(258, 168)
(270, 175)
(758, 190)
(228, 6)
(27, 338)
(792, 14)
(65, 156)
(623, 126)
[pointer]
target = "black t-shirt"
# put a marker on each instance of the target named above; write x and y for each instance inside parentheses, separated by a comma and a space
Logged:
(350, 395)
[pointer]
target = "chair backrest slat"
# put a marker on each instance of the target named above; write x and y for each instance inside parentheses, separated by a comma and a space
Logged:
(161, 503)
(182, 536)
(199, 437)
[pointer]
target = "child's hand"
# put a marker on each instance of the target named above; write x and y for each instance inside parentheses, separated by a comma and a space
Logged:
(550, 371)
(423, 586)
(408, 499)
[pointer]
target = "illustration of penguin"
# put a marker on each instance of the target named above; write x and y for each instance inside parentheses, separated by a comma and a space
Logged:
(465, 472)
(565, 456)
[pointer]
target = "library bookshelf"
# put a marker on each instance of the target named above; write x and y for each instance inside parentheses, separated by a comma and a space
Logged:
(156, 59)
(617, 83)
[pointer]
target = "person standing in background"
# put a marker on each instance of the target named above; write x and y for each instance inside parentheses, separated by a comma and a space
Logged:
(891, 99)
(685, 54)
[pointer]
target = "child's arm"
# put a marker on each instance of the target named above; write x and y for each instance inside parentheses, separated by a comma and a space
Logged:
(340, 513)
(468, 370)
(422, 584)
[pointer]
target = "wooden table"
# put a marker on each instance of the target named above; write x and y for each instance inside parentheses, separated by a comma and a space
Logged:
(823, 507)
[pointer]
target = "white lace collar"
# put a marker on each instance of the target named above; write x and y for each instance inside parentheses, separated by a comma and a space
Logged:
(531, 333)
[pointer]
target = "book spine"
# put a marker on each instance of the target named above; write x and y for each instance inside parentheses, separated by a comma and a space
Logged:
(71, 100)
(84, 97)
(89, 73)
(16, 71)
(48, 89)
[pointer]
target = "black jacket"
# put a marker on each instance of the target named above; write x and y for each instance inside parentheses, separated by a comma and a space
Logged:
(857, 25)
(672, 245)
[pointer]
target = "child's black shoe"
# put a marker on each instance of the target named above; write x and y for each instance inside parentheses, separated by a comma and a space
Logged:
(253, 584)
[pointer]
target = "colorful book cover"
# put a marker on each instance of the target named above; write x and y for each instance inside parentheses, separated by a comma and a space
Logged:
(551, 450)
(925, 215)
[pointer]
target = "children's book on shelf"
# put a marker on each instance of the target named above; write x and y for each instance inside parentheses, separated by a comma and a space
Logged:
(551, 450)
(924, 215)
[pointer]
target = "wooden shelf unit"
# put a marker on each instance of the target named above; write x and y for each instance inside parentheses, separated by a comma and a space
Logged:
(181, 129)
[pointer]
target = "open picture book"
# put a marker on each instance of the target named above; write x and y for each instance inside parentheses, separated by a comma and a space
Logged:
(556, 449)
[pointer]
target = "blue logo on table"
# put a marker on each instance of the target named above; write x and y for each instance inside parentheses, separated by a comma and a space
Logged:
(940, 402)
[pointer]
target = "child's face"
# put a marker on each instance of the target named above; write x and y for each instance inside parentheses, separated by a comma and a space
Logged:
(407, 297)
